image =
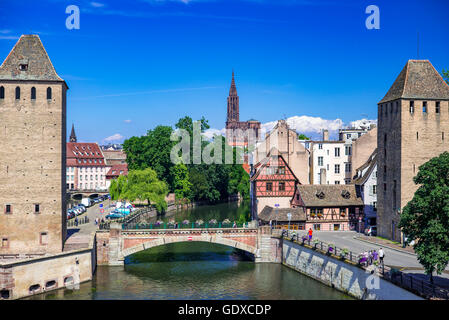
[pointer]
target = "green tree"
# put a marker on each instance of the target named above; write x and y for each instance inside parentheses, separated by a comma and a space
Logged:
(239, 181)
(303, 137)
(181, 183)
(445, 74)
(426, 217)
(142, 185)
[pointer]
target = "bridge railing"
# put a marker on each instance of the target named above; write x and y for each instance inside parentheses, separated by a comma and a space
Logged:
(409, 282)
(75, 223)
(190, 225)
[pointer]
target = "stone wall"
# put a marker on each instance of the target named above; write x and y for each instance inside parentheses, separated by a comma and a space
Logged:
(340, 275)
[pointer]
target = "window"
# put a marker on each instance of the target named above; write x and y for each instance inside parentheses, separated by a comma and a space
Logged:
(347, 181)
(374, 189)
(348, 150)
(320, 146)
(417, 135)
(36, 208)
(48, 93)
(320, 161)
(43, 238)
(281, 186)
(8, 208)
(17, 93)
(412, 106)
(437, 107)
(348, 136)
(424, 107)
(337, 168)
(317, 226)
(33, 93)
(2, 92)
(337, 182)
(337, 152)
(269, 186)
(348, 167)
(23, 67)
(336, 227)
(5, 243)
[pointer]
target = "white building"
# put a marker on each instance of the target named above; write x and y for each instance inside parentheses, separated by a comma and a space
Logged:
(366, 183)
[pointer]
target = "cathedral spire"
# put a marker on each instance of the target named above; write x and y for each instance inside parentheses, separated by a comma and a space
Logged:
(73, 135)
(233, 89)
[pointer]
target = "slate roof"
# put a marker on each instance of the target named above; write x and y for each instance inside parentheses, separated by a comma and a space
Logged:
(370, 164)
(115, 170)
(332, 195)
(280, 214)
(84, 151)
(418, 80)
(29, 51)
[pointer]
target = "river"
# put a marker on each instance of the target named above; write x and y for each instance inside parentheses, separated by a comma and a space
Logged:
(197, 270)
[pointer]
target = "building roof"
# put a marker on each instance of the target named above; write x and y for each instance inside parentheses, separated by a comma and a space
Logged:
(329, 195)
(370, 164)
(28, 51)
(117, 170)
(81, 154)
(233, 88)
(280, 214)
(418, 80)
(272, 155)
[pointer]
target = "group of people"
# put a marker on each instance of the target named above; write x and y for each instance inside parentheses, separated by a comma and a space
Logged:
(98, 221)
(368, 258)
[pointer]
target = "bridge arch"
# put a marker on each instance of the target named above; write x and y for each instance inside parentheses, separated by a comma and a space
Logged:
(130, 249)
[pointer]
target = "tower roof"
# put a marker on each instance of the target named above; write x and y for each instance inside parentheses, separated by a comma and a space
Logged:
(418, 80)
(233, 89)
(29, 53)
(72, 134)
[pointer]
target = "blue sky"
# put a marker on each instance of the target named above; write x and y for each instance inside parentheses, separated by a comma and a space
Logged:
(135, 64)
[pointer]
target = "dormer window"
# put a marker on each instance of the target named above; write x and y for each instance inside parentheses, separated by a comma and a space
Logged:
(320, 195)
(345, 194)
(23, 67)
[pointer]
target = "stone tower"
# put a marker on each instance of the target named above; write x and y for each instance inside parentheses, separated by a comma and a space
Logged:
(72, 134)
(233, 103)
(32, 151)
(413, 120)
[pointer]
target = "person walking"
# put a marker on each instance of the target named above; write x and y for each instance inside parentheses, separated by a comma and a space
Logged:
(310, 234)
(76, 221)
(271, 226)
(381, 256)
(375, 255)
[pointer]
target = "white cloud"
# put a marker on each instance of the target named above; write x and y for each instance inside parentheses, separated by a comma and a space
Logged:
(114, 137)
(97, 4)
(127, 121)
(310, 126)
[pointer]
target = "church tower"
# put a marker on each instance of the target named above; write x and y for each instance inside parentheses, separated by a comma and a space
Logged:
(32, 151)
(72, 134)
(233, 103)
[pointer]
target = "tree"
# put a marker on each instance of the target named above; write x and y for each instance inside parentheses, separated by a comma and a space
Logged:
(239, 181)
(303, 137)
(142, 185)
(426, 217)
(445, 74)
(181, 183)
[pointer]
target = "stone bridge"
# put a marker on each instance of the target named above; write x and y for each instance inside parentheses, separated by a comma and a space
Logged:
(79, 194)
(114, 245)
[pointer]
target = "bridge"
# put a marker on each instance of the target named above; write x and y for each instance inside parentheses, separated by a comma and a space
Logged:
(85, 193)
(115, 244)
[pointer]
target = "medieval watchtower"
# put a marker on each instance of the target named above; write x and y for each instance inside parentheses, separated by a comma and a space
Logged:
(32, 151)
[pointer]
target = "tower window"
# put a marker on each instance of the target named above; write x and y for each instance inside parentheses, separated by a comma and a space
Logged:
(48, 93)
(44, 238)
(442, 135)
(36, 208)
(424, 107)
(437, 107)
(412, 106)
(417, 135)
(17, 93)
(23, 67)
(33, 93)
(5, 243)
(8, 208)
(2, 92)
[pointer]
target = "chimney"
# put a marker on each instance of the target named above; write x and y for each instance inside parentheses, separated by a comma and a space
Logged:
(322, 176)
(325, 135)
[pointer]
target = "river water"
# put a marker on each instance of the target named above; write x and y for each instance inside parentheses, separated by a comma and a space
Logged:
(197, 270)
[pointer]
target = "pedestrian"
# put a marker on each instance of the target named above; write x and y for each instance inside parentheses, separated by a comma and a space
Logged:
(234, 225)
(375, 255)
(76, 221)
(381, 256)
(370, 257)
(310, 234)
(271, 226)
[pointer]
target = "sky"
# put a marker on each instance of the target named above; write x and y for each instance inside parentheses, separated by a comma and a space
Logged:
(136, 64)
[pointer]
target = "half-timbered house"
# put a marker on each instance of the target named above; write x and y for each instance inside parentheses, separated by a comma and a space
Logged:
(330, 207)
(273, 183)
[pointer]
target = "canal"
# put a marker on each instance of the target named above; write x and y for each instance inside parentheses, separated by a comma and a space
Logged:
(197, 270)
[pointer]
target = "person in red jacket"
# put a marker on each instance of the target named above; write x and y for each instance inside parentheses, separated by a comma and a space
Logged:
(310, 234)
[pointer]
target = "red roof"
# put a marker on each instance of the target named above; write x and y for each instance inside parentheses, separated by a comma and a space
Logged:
(117, 170)
(81, 154)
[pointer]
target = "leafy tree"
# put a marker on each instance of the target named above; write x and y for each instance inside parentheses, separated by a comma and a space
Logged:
(181, 183)
(426, 217)
(303, 137)
(445, 74)
(142, 185)
(239, 181)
